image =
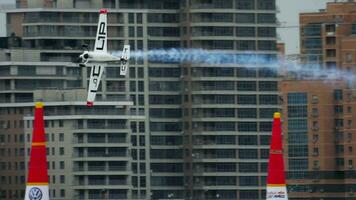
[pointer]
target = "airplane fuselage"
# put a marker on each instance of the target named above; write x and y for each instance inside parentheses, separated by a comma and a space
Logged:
(99, 57)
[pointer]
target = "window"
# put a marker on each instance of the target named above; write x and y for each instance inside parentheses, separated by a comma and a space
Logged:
(246, 85)
(62, 179)
(312, 43)
(139, 18)
(268, 99)
(245, 4)
(131, 31)
(268, 86)
(61, 137)
(297, 98)
(246, 45)
(297, 125)
(246, 99)
(61, 151)
(330, 40)
(265, 18)
(61, 165)
(131, 18)
(248, 181)
(330, 53)
(339, 162)
(245, 18)
(247, 113)
(248, 194)
(248, 153)
(330, 27)
(297, 164)
(248, 167)
(338, 95)
(245, 31)
(247, 126)
(267, 45)
(298, 150)
(312, 30)
(247, 140)
(297, 111)
(62, 193)
(315, 151)
(266, 4)
(266, 32)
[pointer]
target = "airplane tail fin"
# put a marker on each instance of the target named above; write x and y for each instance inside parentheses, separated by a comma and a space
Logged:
(37, 180)
(125, 56)
(276, 183)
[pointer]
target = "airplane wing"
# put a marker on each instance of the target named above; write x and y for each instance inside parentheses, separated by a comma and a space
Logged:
(125, 56)
(96, 72)
(101, 33)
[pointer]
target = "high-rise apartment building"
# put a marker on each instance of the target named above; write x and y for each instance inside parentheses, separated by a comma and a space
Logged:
(319, 142)
(327, 37)
(206, 129)
(318, 114)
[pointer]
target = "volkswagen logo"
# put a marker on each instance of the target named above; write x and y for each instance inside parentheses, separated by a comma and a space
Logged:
(35, 194)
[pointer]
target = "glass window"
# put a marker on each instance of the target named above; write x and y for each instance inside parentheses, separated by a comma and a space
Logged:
(338, 95)
(297, 98)
(245, 18)
(297, 111)
(247, 140)
(246, 85)
(268, 86)
(297, 164)
(245, 31)
(298, 150)
(312, 43)
(248, 194)
(266, 32)
(245, 4)
(266, 126)
(266, 4)
(248, 180)
(247, 126)
(131, 18)
(267, 45)
(312, 30)
(268, 99)
(247, 113)
(248, 153)
(297, 124)
(266, 18)
(246, 45)
(248, 167)
(246, 99)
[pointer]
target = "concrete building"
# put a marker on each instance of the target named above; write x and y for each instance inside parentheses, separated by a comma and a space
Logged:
(319, 139)
(206, 127)
(318, 114)
(327, 37)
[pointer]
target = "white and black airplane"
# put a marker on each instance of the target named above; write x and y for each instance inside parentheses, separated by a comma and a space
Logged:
(98, 58)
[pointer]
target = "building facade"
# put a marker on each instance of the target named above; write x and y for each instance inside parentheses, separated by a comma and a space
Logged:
(327, 36)
(319, 139)
(206, 127)
(318, 114)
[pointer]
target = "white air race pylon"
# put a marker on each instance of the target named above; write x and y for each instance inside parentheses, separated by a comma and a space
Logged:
(276, 182)
(37, 180)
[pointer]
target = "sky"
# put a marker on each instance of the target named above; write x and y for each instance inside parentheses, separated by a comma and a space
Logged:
(288, 16)
(2, 16)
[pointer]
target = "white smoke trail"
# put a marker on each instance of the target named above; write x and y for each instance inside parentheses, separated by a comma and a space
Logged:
(246, 59)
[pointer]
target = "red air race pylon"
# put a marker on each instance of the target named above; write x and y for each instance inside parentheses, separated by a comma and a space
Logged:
(37, 180)
(276, 182)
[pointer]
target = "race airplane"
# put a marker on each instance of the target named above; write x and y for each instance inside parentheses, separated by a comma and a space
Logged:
(99, 57)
